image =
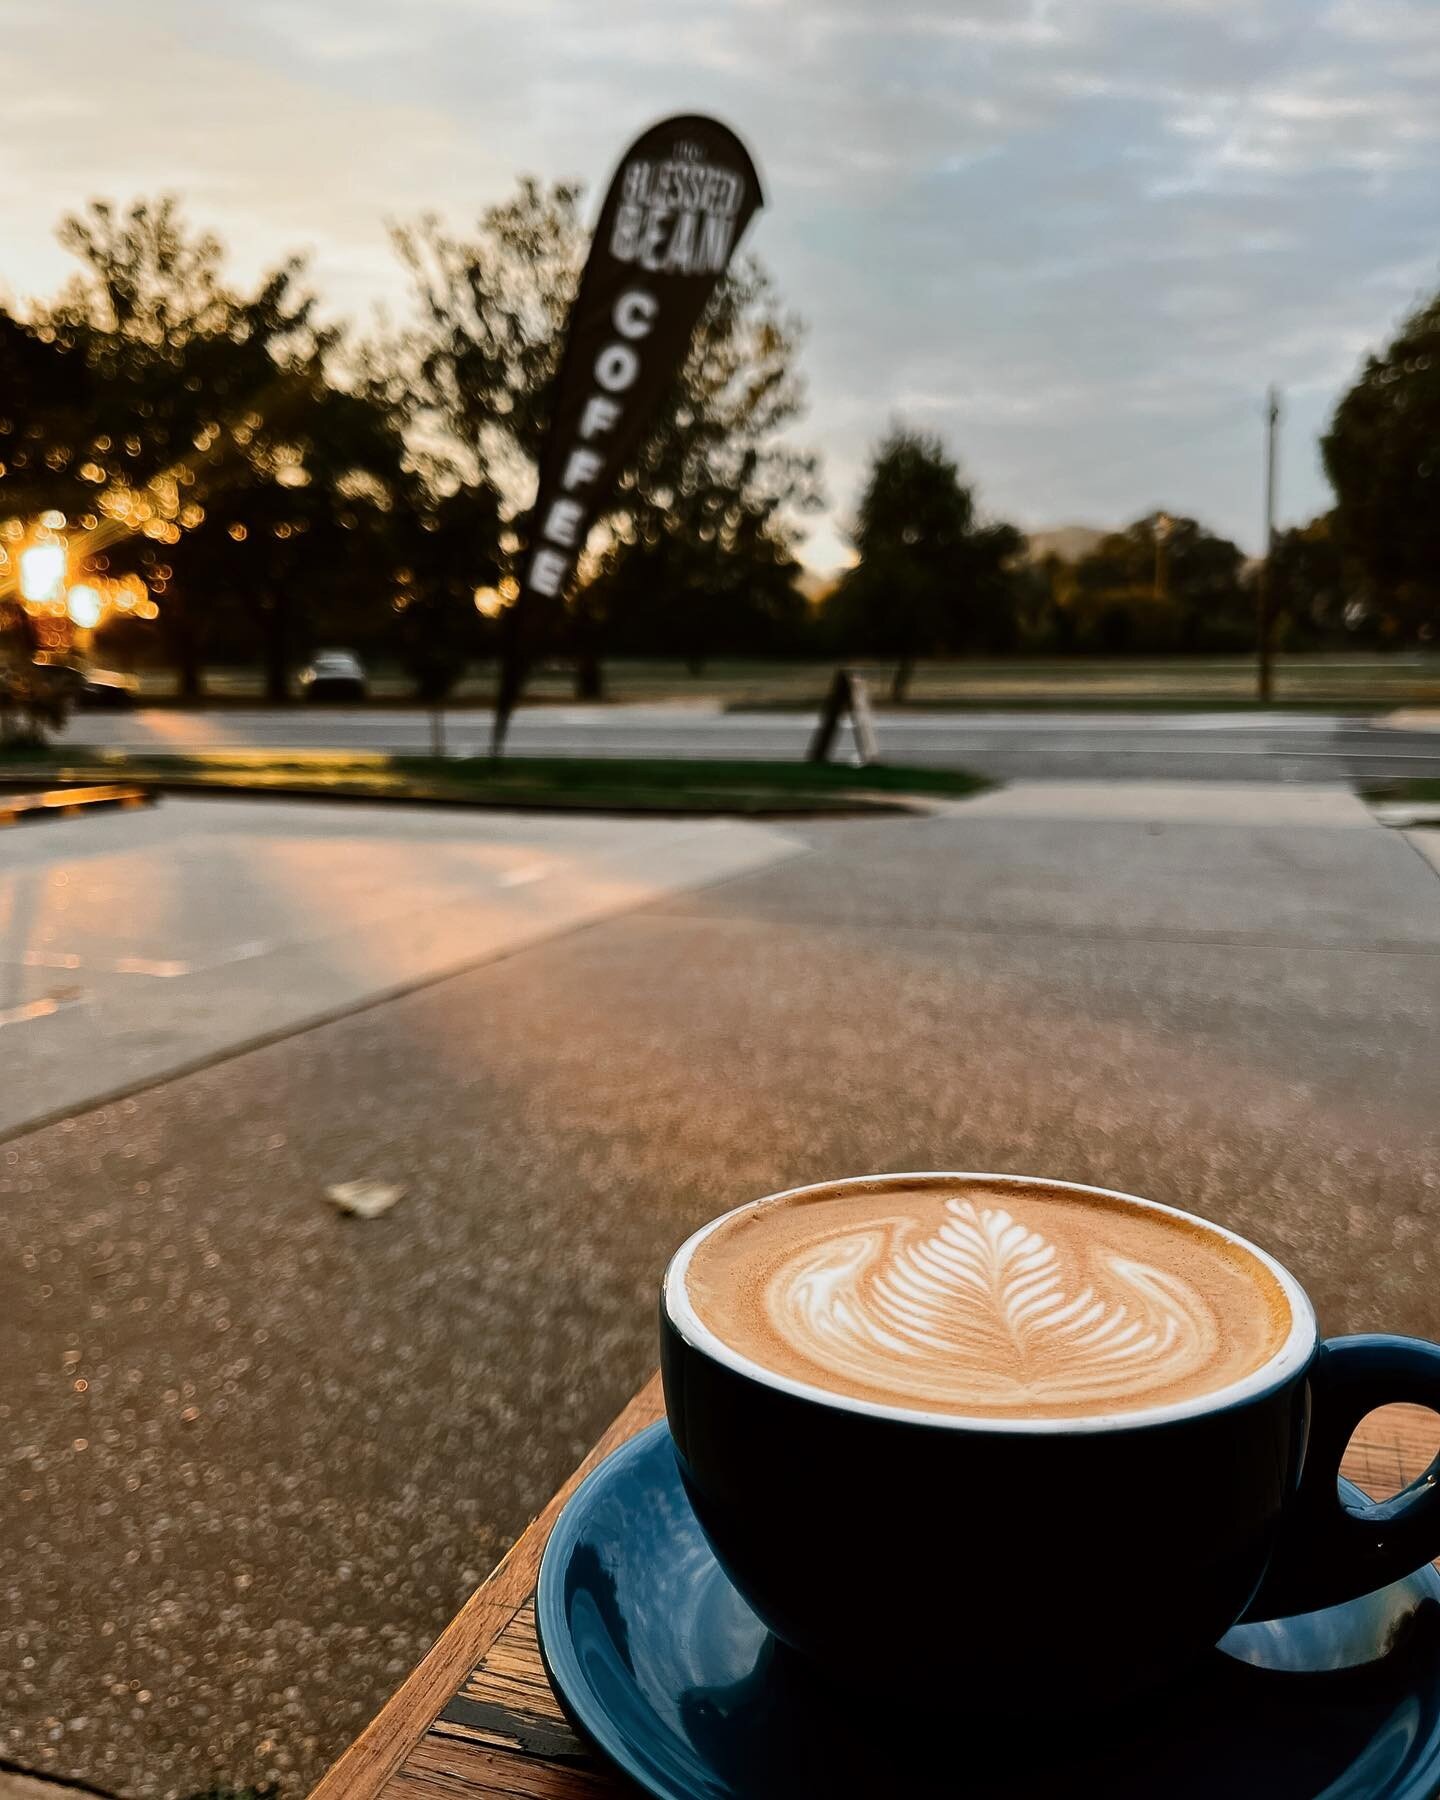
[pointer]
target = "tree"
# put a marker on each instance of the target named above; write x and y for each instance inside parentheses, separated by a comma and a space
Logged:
(45, 398)
(47, 403)
(1382, 454)
(316, 498)
(223, 465)
(1044, 603)
(475, 370)
(443, 545)
(676, 594)
(932, 577)
(1164, 583)
(1313, 591)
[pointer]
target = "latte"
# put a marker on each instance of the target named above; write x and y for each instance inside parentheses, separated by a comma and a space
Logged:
(1000, 1299)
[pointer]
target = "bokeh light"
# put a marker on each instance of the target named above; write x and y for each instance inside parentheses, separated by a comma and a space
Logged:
(85, 606)
(488, 602)
(42, 571)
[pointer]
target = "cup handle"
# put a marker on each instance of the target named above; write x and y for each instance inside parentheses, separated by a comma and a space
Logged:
(1331, 1551)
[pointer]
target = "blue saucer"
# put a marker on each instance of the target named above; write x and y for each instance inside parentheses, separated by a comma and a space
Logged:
(659, 1662)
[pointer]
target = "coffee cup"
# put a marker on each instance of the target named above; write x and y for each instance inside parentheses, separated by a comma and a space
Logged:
(999, 1434)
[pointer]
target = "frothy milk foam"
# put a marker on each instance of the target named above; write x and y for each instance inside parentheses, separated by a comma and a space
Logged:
(1008, 1300)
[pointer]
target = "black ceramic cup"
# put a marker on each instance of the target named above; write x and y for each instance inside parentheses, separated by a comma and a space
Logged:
(1020, 1561)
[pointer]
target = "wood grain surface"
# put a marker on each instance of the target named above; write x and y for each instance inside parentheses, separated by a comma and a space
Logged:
(478, 1717)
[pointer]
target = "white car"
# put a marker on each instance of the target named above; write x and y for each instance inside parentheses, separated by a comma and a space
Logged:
(334, 675)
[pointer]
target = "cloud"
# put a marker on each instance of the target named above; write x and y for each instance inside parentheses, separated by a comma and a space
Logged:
(1389, 24)
(1078, 238)
(1320, 121)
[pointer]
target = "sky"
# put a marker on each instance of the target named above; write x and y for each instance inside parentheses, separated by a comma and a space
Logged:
(1076, 238)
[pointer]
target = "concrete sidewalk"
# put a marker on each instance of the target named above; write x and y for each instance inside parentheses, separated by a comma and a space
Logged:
(1427, 842)
(1270, 807)
(135, 945)
(260, 1454)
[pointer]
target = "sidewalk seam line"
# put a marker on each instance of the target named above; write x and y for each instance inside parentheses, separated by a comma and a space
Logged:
(1407, 832)
(195, 1065)
(666, 909)
(63, 1784)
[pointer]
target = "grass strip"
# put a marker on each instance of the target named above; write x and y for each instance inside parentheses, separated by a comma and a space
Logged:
(601, 784)
(1415, 790)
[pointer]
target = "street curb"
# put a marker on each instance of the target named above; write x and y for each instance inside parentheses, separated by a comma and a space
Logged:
(62, 802)
(147, 787)
(1406, 815)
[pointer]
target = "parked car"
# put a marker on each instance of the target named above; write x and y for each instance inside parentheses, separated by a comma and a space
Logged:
(334, 675)
(79, 683)
(106, 688)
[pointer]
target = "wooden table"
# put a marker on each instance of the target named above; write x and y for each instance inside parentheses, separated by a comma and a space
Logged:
(478, 1717)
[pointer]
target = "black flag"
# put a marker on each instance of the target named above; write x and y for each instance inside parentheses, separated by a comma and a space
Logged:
(679, 202)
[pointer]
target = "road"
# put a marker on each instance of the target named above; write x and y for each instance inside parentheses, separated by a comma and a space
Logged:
(1225, 746)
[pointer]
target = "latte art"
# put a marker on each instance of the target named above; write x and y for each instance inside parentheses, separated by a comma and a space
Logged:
(980, 1309)
(973, 1296)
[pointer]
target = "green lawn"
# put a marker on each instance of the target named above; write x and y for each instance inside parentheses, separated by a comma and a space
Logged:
(1365, 682)
(601, 784)
(1418, 790)
(1417, 787)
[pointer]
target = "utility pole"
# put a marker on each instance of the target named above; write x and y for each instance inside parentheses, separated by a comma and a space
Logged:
(1264, 594)
(1161, 588)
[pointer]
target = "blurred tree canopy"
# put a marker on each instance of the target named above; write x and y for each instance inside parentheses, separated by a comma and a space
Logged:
(259, 483)
(193, 436)
(445, 546)
(1382, 454)
(1313, 589)
(274, 482)
(1164, 584)
(679, 595)
(708, 506)
(932, 577)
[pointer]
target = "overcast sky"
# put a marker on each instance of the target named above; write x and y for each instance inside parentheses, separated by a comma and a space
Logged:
(1076, 237)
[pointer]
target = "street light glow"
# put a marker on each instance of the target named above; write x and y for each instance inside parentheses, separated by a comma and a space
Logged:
(42, 572)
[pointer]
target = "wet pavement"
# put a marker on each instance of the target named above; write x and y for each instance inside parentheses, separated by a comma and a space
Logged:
(258, 1453)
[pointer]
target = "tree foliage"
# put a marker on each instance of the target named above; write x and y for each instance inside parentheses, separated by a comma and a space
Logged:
(681, 595)
(445, 549)
(213, 455)
(1315, 596)
(1382, 454)
(473, 370)
(1165, 583)
(712, 493)
(933, 577)
(272, 483)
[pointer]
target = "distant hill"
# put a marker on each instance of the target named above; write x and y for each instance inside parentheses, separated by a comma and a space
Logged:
(1068, 542)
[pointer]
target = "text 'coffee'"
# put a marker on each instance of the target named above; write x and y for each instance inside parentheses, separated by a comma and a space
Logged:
(678, 204)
